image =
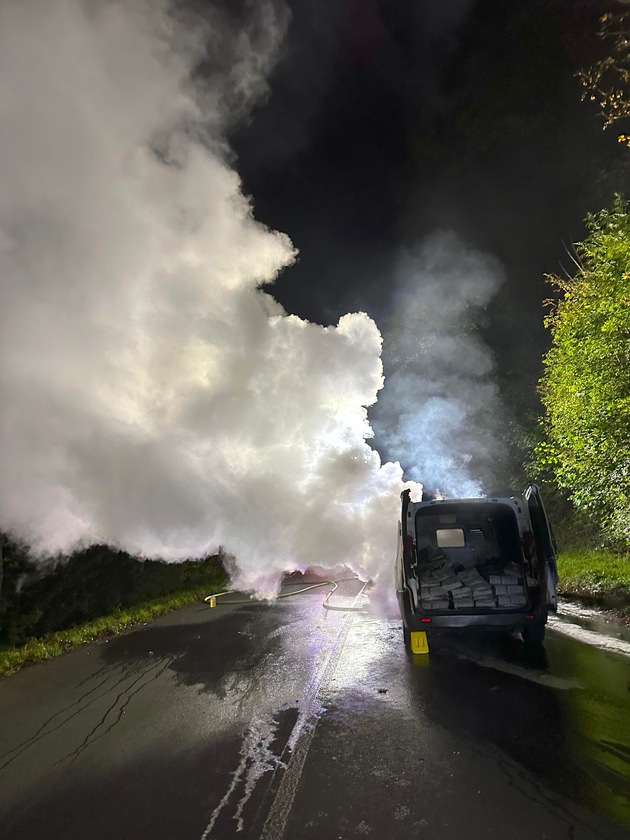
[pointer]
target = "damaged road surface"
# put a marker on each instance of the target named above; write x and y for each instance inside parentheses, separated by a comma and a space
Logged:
(291, 721)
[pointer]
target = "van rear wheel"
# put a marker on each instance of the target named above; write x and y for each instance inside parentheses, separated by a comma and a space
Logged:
(534, 633)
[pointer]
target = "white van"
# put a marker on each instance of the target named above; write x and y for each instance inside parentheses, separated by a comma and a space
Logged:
(484, 562)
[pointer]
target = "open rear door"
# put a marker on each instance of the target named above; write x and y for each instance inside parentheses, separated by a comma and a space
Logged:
(545, 547)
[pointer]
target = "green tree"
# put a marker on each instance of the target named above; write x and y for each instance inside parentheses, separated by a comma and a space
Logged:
(607, 82)
(586, 385)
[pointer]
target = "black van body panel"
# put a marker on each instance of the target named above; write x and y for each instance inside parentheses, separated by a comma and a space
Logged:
(546, 548)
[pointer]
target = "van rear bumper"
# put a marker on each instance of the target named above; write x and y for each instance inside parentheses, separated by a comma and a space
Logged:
(500, 620)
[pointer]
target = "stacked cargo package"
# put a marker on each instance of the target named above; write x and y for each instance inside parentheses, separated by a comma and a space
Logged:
(508, 589)
(443, 588)
(432, 594)
(435, 596)
(483, 597)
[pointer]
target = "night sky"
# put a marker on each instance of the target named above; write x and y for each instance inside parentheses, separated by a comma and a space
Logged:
(388, 120)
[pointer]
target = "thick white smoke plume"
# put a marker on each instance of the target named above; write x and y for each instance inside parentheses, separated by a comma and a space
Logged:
(152, 397)
(441, 411)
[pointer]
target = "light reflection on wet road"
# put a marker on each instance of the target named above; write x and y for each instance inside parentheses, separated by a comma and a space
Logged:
(286, 721)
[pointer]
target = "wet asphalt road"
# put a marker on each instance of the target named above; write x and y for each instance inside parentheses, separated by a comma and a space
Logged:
(288, 721)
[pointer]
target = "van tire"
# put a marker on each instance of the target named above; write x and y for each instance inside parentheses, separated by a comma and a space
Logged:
(534, 633)
(407, 638)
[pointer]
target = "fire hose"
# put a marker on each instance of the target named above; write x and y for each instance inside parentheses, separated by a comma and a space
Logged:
(211, 600)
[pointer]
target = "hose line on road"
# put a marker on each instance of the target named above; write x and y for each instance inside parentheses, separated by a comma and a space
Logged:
(211, 600)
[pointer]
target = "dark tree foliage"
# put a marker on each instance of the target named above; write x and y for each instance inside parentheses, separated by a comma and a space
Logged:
(37, 599)
(607, 82)
(586, 385)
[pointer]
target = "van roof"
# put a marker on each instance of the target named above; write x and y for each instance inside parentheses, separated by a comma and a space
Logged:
(479, 500)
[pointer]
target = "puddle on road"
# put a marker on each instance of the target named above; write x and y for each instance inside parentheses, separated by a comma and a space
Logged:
(587, 676)
(571, 696)
(598, 715)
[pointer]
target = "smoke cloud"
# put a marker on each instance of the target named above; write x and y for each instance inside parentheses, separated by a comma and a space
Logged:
(152, 396)
(441, 410)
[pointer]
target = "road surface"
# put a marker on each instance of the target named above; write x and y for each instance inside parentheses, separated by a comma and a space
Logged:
(290, 722)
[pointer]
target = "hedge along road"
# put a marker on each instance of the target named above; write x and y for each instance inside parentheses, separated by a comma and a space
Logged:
(288, 721)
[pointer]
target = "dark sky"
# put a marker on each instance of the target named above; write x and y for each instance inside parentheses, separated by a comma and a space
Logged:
(386, 120)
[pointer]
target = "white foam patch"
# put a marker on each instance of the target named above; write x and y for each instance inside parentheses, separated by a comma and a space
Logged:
(589, 637)
(257, 758)
(530, 674)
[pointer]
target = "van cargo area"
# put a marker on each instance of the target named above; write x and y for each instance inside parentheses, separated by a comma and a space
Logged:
(483, 562)
(468, 558)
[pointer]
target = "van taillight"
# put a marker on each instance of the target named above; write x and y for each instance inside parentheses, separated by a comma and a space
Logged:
(425, 620)
(530, 617)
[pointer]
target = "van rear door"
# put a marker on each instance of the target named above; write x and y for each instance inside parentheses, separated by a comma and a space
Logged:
(545, 547)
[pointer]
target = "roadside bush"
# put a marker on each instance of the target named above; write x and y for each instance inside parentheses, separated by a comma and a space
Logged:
(586, 385)
(572, 526)
(42, 598)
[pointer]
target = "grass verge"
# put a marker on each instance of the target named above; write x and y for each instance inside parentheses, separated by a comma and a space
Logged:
(600, 576)
(53, 644)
